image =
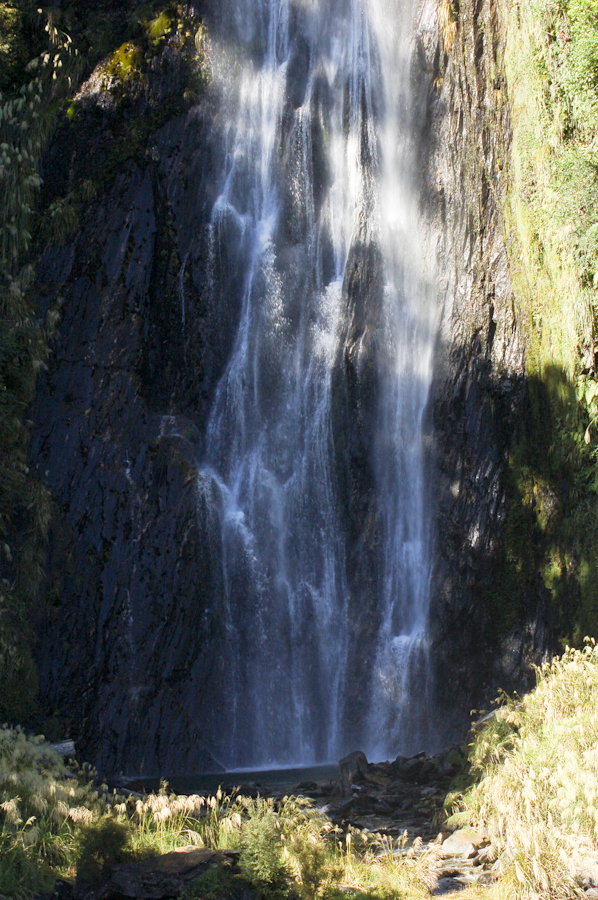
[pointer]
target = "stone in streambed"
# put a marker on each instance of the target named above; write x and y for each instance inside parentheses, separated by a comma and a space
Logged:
(418, 768)
(446, 886)
(463, 844)
(307, 788)
(380, 780)
(253, 789)
(354, 767)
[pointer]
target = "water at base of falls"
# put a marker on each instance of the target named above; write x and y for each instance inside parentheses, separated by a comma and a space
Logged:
(314, 208)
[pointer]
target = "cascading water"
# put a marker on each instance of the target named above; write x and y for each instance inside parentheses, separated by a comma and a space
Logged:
(317, 162)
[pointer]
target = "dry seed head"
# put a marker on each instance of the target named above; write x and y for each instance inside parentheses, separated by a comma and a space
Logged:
(162, 814)
(80, 815)
(11, 810)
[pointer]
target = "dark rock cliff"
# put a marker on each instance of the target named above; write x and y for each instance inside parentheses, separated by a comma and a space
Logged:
(130, 635)
(479, 387)
(129, 650)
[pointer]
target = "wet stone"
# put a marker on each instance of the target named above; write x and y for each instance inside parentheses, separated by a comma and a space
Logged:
(446, 886)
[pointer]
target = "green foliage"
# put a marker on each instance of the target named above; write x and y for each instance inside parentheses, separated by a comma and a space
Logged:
(35, 88)
(217, 883)
(551, 58)
(11, 42)
(102, 846)
(262, 858)
(40, 805)
(24, 499)
(21, 38)
(20, 876)
(61, 218)
(27, 113)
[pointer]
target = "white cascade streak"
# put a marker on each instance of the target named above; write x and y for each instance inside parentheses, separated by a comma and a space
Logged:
(302, 182)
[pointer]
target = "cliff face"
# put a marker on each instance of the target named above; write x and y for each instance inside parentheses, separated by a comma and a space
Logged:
(118, 422)
(129, 653)
(479, 391)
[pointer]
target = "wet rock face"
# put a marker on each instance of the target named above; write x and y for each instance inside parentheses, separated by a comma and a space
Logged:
(479, 379)
(118, 425)
(354, 391)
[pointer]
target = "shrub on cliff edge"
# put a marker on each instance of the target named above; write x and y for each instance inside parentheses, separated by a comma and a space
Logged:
(538, 790)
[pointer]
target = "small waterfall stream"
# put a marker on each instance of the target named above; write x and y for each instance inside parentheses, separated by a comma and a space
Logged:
(317, 161)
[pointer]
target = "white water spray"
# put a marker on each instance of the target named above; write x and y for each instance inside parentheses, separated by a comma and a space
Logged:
(317, 156)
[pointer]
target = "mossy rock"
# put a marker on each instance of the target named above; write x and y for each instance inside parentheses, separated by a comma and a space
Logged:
(126, 63)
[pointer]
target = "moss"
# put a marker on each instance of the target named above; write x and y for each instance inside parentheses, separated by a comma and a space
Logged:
(551, 220)
(159, 28)
(125, 65)
(549, 540)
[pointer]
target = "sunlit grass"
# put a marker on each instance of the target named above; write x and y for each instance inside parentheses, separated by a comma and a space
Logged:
(538, 790)
(53, 818)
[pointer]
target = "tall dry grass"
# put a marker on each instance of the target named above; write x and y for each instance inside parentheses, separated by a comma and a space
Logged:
(52, 816)
(538, 790)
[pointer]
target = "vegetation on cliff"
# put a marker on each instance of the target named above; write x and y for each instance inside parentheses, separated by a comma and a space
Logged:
(551, 220)
(27, 111)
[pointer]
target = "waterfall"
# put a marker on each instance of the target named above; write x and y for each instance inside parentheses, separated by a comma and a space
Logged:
(317, 134)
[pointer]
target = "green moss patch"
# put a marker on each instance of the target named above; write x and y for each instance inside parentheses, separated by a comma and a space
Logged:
(159, 28)
(551, 215)
(126, 64)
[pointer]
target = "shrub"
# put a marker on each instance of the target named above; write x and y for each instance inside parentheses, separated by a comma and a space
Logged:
(262, 858)
(218, 883)
(102, 846)
(41, 802)
(538, 788)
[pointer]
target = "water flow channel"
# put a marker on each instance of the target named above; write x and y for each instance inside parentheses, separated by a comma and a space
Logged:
(318, 152)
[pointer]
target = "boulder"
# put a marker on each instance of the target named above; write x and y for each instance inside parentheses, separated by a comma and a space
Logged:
(450, 761)
(446, 886)
(463, 844)
(253, 789)
(64, 748)
(353, 770)
(354, 767)
(418, 768)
